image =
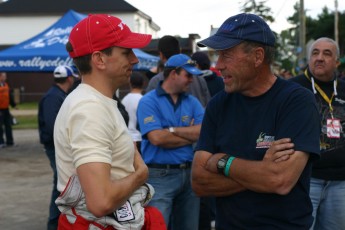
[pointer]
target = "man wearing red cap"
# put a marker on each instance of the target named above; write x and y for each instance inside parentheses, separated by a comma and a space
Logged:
(259, 136)
(100, 172)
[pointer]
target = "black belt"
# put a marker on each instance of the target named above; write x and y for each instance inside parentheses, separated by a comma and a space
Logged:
(186, 165)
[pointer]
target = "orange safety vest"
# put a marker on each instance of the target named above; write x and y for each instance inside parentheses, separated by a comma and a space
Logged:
(4, 96)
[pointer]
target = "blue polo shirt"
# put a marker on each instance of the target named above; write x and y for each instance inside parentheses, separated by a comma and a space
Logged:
(156, 110)
(244, 127)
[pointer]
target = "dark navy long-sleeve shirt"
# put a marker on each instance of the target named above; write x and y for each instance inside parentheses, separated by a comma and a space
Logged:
(48, 109)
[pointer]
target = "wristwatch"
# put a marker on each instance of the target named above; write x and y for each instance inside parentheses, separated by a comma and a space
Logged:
(171, 129)
(222, 163)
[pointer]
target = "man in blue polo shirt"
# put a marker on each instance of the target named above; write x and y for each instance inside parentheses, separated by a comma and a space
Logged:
(170, 122)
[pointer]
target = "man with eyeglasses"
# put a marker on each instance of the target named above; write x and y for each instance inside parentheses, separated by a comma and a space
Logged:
(170, 122)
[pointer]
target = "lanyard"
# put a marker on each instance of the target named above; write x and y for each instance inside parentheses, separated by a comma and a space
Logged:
(322, 93)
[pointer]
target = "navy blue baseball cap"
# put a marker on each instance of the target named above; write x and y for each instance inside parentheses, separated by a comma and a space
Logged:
(238, 28)
(183, 61)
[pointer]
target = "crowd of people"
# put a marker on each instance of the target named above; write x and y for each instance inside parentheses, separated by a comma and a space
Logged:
(246, 150)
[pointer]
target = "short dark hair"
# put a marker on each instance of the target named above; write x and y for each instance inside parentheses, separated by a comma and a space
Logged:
(169, 45)
(167, 71)
(137, 80)
(83, 62)
(202, 60)
(61, 80)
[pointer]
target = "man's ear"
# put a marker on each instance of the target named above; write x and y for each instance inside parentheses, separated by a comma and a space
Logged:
(259, 56)
(97, 58)
(173, 73)
(337, 63)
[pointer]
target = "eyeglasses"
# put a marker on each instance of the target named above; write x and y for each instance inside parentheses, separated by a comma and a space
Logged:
(188, 62)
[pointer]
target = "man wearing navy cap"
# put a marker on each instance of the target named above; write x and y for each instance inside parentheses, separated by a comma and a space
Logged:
(170, 121)
(258, 137)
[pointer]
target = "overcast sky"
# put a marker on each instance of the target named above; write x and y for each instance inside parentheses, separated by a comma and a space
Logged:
(182, 17)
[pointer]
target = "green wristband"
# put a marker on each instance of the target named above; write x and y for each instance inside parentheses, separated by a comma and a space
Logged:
(227, 167)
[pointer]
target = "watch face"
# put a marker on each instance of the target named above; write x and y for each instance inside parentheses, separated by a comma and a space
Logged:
(221, 163)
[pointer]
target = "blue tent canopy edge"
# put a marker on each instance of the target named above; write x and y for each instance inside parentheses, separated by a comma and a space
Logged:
(46, 50)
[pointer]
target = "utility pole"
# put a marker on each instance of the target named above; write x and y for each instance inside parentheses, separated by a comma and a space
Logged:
(302, 48)
(336, 22)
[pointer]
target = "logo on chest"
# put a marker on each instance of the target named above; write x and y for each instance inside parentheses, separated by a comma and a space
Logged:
(264, 141)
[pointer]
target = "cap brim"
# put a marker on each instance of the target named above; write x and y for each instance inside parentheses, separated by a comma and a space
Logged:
(135, 40)
(191, 69)
(217, 42)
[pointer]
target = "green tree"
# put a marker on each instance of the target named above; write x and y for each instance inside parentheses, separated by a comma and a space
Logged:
(320, 26)
(260, 8)
(323, 26)
(287, 41)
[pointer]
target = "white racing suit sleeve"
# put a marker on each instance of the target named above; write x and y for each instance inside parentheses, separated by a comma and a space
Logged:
(130, 216)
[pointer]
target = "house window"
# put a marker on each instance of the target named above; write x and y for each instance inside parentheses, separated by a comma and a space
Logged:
(137, 25)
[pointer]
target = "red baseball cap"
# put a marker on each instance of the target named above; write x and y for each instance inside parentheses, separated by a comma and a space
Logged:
(100, 31)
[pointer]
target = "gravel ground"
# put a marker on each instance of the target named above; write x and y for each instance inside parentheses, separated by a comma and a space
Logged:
(25, 183)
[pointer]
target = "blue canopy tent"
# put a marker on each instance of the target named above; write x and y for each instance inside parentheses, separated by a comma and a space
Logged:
(45, 51)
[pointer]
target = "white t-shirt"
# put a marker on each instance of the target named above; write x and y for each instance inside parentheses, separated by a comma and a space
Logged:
(90, 128)
(130, 101)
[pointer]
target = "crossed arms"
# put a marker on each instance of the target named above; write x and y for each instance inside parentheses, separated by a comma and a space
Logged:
(181, 137)
(278, 172)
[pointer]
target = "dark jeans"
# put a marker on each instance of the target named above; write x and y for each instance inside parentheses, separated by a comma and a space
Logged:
(54, 212)
(207, 212)
(5, 122)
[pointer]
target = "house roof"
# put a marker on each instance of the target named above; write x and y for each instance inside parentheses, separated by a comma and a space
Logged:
(59, 7)
(43, 7)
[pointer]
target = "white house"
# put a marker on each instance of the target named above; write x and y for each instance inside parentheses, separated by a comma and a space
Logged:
(23, 19)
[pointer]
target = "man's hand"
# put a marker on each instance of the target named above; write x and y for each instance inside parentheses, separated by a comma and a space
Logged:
(211, 164)
(280, 150)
